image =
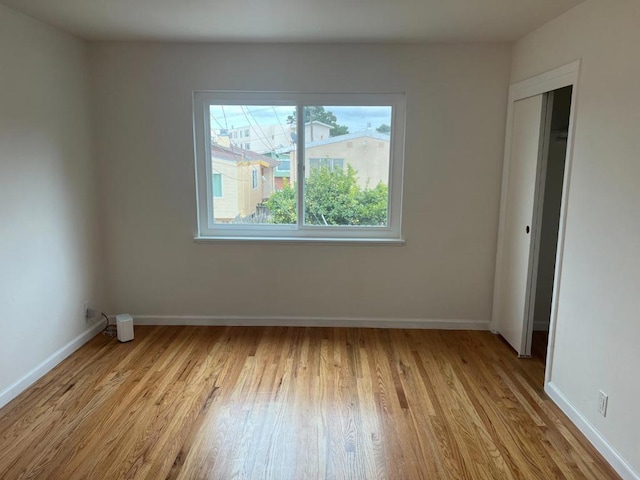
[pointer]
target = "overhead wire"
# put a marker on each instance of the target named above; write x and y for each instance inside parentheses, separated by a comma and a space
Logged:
(262, 139)
(215, 119)
(225, 117)
(282, 127)
(260, 127)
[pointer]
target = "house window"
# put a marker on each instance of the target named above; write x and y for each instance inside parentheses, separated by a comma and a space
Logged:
(284, 166)
(217, 185)
(314, 194)
(246, 133)
(330, 163)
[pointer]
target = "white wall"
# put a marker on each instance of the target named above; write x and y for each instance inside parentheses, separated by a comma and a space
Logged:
(48, 242)
(455, 132)
(598, 329)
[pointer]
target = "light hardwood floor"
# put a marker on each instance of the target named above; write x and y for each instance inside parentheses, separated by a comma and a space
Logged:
(293, 403)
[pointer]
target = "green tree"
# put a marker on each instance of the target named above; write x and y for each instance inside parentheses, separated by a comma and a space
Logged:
(319, 114)
(374, 205)
(332, 197)
(384, 128)
(282, 205)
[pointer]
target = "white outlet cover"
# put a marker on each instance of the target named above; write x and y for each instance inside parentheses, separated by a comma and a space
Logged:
(602, 403)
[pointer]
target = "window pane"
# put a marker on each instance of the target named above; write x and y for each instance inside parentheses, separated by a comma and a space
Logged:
(248, 142)
(347, 161)
(284, 166)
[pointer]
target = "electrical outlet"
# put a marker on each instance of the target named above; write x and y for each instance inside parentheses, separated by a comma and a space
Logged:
(88, 311)
(602, 403)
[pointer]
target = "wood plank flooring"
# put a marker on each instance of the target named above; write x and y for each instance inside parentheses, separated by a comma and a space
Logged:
(293, 403)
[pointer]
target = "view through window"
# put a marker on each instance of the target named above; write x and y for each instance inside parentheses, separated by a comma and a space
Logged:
(291, 165)
(248, 142)
(346, 154)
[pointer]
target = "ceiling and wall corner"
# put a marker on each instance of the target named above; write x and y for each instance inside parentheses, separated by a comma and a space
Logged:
(296, 20)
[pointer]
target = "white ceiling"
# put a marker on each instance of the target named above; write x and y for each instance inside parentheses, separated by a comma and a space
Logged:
(296, 20)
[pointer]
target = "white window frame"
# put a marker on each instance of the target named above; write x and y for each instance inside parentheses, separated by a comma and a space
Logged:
(254, 178)
(208, 230)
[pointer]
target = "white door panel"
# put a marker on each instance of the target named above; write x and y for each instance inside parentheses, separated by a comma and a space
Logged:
(517, 235)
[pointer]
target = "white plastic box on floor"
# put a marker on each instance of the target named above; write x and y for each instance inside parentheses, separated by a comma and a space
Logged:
(124, 323)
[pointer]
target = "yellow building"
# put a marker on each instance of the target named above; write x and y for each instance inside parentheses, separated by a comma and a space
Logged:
(241, 181)
(368, 152)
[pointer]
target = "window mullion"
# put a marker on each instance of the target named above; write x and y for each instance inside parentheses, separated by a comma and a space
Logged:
(300, 164)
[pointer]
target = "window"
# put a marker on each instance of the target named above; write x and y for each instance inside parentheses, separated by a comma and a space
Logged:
(345, 184)
(284, 166)
(246, 133)
(330, 163)
(217, 185)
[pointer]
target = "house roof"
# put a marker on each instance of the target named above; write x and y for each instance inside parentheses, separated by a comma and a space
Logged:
(349, 136)
(341, 138)
(318, 122)
(237, 154)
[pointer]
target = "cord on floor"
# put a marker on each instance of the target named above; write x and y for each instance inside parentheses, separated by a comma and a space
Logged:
(110, 330)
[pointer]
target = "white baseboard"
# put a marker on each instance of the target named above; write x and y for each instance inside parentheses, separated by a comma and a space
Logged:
(48, 364)
(283, 321)
(589, 431)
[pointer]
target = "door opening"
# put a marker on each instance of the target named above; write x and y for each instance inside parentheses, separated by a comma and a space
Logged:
(548, 208)
(533, 208)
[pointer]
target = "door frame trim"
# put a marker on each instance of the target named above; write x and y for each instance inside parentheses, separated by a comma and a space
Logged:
(564, 76)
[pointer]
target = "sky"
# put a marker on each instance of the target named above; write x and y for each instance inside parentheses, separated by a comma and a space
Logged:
(356, 118)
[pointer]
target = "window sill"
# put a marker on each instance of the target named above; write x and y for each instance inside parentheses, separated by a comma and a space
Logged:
(309, 240)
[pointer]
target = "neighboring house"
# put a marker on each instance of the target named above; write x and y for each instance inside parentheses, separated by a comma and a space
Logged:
(267, 138)
(282, 172)
(368, 152)
(262, 138)
(316, 131)
(241, 181)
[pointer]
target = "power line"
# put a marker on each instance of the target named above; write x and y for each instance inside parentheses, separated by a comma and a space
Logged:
(231, 115)
(282, 127)
(254, 125)
(225, 117)
(260, 127)
(226, 175)
(266, 142)
(212, 116)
